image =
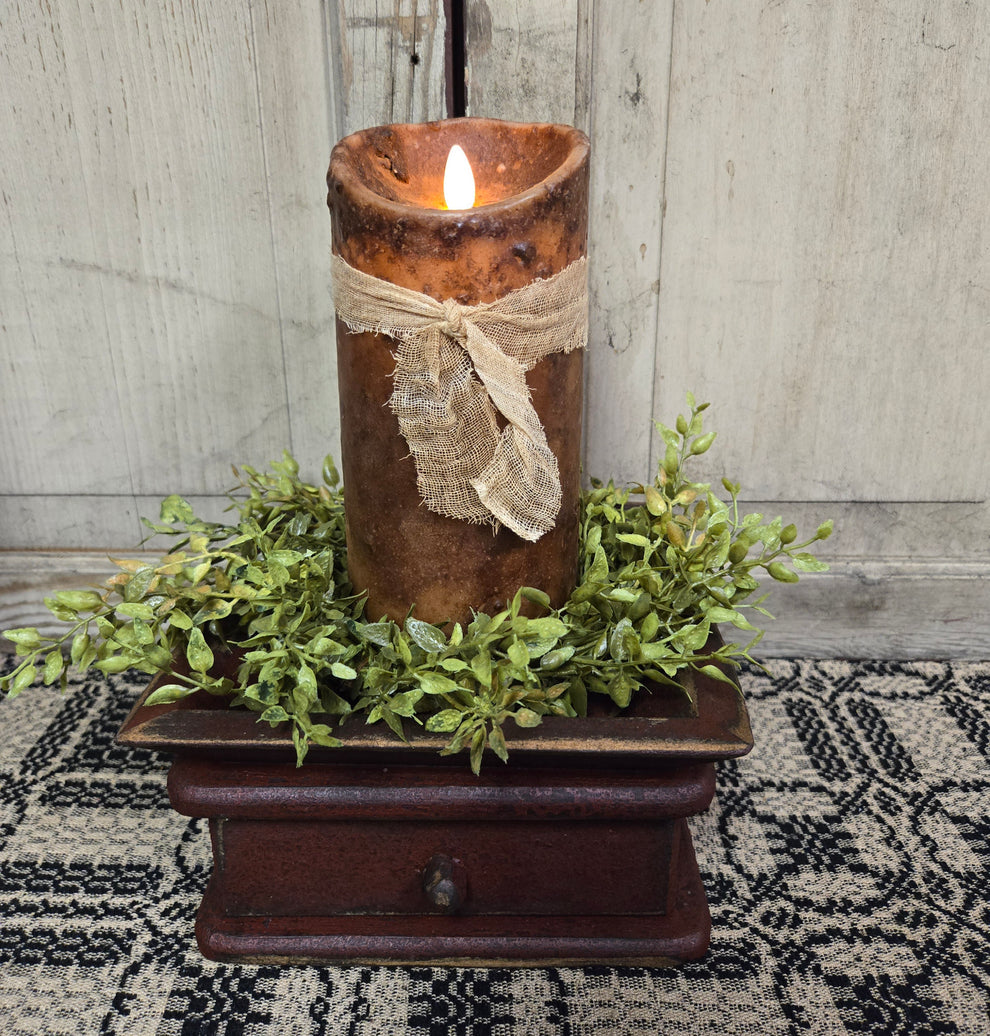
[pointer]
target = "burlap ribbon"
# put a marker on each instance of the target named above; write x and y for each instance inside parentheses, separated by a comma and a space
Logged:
(455, 366)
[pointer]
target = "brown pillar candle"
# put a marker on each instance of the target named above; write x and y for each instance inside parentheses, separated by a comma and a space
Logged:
(529, 222)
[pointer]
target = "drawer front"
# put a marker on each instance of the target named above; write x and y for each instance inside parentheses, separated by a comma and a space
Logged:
(522, 867)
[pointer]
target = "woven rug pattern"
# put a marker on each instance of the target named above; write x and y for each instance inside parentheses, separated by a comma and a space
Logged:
(847, 861)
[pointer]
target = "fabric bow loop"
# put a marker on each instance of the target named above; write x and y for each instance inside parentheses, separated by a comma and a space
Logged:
(456, 366)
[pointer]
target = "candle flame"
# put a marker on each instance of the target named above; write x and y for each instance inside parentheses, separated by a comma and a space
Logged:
(458, 180)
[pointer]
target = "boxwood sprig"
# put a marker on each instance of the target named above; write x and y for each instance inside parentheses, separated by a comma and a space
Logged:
(262, 611)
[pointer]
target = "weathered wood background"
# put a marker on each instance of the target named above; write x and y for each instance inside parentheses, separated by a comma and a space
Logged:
(790, 217)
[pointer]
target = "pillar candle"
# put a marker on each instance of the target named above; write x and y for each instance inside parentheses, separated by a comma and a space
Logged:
(389, 220)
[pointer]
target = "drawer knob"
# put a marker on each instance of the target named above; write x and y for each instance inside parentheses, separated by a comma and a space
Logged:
(440, 883)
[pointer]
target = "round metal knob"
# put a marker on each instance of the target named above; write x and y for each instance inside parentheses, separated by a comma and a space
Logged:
(441, 885)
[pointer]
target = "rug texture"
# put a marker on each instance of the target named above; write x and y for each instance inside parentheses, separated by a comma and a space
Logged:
(847, 861)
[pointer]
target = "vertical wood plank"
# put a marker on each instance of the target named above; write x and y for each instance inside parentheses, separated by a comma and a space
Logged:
(825, 270)
(521, 59)
(144, 249)
(54, 349)
(387, 61)
(628, 115)
(295, 118)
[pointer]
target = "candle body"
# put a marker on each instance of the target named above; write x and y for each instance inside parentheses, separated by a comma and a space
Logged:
(530, 221)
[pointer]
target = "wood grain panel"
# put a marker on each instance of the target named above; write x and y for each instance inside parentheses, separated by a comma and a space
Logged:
(825, 271)
(163, 235)
(521, 59)
(386, 61)
(297, 132)
(629, 80)
(788, 217)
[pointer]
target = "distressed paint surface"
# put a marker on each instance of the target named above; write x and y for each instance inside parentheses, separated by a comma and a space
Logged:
(521, 59)
(808, 181)
(826, 279)
(164, 285)
(628, 119)
(386, 61)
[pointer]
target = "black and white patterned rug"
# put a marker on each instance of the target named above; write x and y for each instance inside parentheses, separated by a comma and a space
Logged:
(847, 861)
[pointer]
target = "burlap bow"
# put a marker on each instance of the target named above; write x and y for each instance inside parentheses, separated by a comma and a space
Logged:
(455, 366)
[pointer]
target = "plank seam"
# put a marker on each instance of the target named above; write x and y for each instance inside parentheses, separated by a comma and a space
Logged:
(266, 165)
(652, 455)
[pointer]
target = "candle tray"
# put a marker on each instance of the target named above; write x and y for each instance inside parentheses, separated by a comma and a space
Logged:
(576, 851)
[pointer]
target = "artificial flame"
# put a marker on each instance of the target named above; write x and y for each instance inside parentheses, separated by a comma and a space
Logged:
(458, 180)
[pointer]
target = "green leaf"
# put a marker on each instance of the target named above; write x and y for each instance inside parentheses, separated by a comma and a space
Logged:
(80, 600)
(620, 689)
(496, 742)
(579, 697)
(24, 637)
(306, 681)
(115, 663)
(169, 692)
(716, 674)
(214, 609)
(54, 664)
(555, 659)
(179, 620)
(403, 649)
(598, 573)
(136, 611)
(285, 557)
(434, 683)
(275, 714)
(702, 443)
(22, 680)
(531, 593)
(139, 584)
(518, 654)
(197, 573)
(454, 665)
(477, 750)
(404, 704)
(481, 666)
(80, 645)
(635, 539)
(379, 633)
(342, 671)
(656, 503)
(527, 718)
(175, 509)
(392, 720)
(428, 637)
(808, 563)
(330, 474)
(782, 574)
(623, 644)
(321, 734)
(445, 721)
(651, 624)
(198, 654)
(655, 651)
(547, 628)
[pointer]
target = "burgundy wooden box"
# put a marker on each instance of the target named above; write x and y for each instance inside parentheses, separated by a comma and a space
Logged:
(576, 851)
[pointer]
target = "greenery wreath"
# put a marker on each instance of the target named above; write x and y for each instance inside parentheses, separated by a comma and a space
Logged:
(661, 564)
